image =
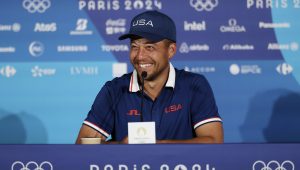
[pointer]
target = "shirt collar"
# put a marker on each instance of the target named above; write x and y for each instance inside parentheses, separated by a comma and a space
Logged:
(134, 85)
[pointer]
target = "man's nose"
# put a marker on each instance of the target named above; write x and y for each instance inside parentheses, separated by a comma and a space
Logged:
(141, 53)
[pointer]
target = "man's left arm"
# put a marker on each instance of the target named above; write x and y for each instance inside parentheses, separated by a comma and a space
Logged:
(208, 133)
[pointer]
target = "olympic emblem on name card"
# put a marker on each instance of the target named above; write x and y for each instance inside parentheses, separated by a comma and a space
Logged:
(33, 6)
(31, 165)
(204, 5)
(273, 165)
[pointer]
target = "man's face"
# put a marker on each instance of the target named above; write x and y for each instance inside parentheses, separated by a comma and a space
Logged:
(151, 57)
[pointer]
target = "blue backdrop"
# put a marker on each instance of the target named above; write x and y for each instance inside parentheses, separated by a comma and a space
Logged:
(56, 55)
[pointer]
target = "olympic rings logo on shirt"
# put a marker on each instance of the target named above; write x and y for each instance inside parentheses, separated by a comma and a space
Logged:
(33, 6)
(18, 165)
(206, 5)
(261, 165)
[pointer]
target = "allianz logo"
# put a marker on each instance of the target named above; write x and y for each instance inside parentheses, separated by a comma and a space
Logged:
(185, 48)
(236, 69)
(40, 72)
(274, 25)
(284, 69)
(31, 165)
(232, 26)
(293, 46)
(194, 26)
(8, 71)
(15, 27)
(114, 48)
(45, 27)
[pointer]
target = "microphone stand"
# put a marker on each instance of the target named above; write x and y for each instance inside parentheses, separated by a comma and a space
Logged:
(144, 75)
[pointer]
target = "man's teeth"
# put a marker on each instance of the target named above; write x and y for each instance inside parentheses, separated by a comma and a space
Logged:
(145, 65)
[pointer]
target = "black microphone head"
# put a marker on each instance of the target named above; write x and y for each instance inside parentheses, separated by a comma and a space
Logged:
(144, 74)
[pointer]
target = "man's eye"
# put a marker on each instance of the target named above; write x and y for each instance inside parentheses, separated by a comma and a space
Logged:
(150, 48)
(133, 47)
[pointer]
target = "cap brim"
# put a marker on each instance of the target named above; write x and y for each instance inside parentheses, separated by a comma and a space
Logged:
(149, 36)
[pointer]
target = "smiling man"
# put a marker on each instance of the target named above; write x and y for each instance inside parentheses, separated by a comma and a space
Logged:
(180, 103)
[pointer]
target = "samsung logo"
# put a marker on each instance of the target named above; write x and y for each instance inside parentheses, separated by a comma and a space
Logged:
(72, 48)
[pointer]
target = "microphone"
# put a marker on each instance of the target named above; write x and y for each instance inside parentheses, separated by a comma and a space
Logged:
(144, 75)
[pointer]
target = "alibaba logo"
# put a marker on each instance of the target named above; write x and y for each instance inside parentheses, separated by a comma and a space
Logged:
(18, 165)
(261, 165)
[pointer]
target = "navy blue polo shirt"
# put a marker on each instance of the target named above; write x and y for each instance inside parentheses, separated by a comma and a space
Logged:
(185, 103)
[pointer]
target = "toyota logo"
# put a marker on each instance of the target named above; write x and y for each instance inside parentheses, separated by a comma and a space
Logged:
(204, 5)
(31, 165)
(33, 6)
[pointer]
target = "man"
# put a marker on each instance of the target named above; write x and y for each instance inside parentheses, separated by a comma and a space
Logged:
(180, 103)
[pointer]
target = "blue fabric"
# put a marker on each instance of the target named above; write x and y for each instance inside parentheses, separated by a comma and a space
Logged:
(175, 111)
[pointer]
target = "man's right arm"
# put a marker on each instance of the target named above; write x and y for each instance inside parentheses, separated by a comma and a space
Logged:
(88, 132)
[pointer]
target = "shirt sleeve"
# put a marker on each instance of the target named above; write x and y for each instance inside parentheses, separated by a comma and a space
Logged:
(101, 115)
(203, 106)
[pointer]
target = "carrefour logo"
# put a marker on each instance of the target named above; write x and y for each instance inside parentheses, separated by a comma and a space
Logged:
(284, 69)
(34, 6)
(31, 165)
(204, 5)
(8, 71)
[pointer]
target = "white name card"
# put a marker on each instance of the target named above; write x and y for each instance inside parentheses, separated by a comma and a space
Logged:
(141, 132)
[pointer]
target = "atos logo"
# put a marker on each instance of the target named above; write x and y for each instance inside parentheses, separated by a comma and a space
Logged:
(204, 5)
(284, 69)
(273, 165)
(45, 27)
(8, 71)
(34, 6)
(36, 48)
(31, 165)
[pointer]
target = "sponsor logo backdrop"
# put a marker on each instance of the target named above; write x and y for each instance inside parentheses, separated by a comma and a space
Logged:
(56, 55)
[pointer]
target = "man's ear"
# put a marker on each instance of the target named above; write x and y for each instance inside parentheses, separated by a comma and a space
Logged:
(172, 50)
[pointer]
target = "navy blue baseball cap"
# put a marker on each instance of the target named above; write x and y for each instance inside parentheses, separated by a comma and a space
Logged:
(152, 25)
